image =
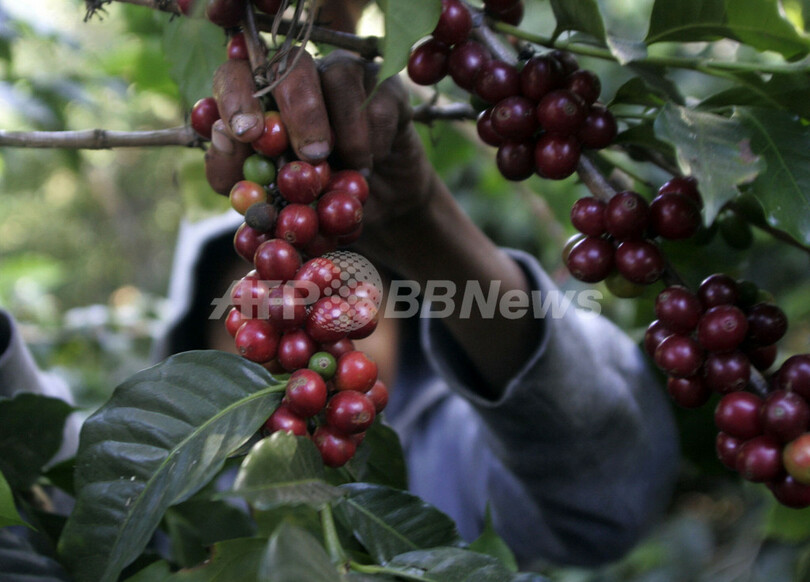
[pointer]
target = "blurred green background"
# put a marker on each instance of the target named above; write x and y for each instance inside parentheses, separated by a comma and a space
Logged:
(86, 243)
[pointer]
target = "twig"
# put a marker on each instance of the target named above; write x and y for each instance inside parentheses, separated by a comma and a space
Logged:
(429, 112)
(367, 47)
(100, 139)
(257, 52)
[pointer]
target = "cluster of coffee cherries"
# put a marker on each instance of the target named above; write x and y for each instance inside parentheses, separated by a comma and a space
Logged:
(616, 240)
(539, 115)
(304, 303)
(707, 342)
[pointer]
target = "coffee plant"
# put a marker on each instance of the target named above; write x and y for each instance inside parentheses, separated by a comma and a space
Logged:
(668, 168)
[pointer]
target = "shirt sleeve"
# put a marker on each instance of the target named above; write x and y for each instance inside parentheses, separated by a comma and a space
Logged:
(575, 459)
(19, 373)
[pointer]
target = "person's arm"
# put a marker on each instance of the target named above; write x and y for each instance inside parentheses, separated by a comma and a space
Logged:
(576, 458)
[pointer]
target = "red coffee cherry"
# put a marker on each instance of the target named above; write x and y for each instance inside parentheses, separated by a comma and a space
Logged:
(794, 375)
(556, 156)
(355, 371)
(796, 457)
(514, 118)
(727, 448)
(349, 412)
(274, 141)
(455, 23)
(285, 420)
(464, 63)
(336, 449)
(655, 334)
(298, 182)
(640, 261)
(306, 393)
(339, 213)
(247, 240)
(203, 115)
(678, 308)
(717, 289)
(378, 394)
(329, 319)
(277, 260)
(515, 159)
(234, 321)
(294, 351)
(688, 392)
(722, 328)
(785, 415)
(539, 76)
(486, 131)
(588, 216)
(496, 81)
(287, 306)
(257, 340)
(767, 324)
(726, 372)
(297, 224)
(679, 356)
(685, 186)
(237, 48)
(561, 111)
(428, 62)
(790, 493)
(760, 459)
(674, 216)
(627, 216)
(599, 128)
(350, 181)
(738, 415)
(591, 259)
(585, 84)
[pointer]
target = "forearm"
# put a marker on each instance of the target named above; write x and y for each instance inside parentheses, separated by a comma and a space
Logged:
(437, 241)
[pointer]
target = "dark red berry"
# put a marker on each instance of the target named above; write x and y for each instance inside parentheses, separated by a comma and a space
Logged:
(486, 131)
(539, 76)
(257, 340)
(350, 181)
(234, 321)
(674, 216)
(763, 357)
(306, 393)
(249, 295)
(455, 23)
(336, 449)
(514, 118)
(591, 259)
(785, 415)
(599, 128)
(329, 319)
(294, 351)
(268, 6)
(349, 412)
(339, 213)
(500, 4)
(688, 392)
(316, 276)
(298, 182)
(567, 60)
(679, 356)
(627, 216)
(727, 448)
(717, 289)
(722, 328)
(790, 493)
(287, 306)
(465, 61)
(285, 420)
(496, 81)
(738, 415)
(355, 371)
(428, 62)
(225, 13)
(515, 159)
(274, 141)
(767, 323)
(561, 111)
(247, 240)
(297, 224)
(338, 348)
(760, 459)
(203, 115)
(685, 186)
(678, 308)
(588, 216)
(556, 156)
(584, 83)
(726, 372)
(794, 375)
(640, 261)
(378, 394)
(277, 260)
(237, 48)
(656, 332)
(512, 15)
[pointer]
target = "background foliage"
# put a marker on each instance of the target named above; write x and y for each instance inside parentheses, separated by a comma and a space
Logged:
(86, 238)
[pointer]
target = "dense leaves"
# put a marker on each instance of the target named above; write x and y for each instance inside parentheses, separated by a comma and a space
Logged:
(162, 436)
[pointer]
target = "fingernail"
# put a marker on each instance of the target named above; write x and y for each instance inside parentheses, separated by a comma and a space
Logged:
(221, 140)
(241, 123)
(316, 150)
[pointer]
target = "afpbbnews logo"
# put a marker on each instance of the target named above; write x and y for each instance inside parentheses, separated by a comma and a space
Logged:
(446, 300)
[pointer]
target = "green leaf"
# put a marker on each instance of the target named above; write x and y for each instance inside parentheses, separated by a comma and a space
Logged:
(491, 544)
(762, 24)
(637, 92)
(295, 555)
(162, 436)
(155, 572)
(231, 561)
(586, 16)
(783, 189)
(583, 15)
(781, 91)
(8, 511)
(687, 21)
(194, 48)
(786, 524)
(405, 23)
(22, 562)
(26, 446)
(713, 149)
(457, 565)
(380, 459)
(283, 469)
(389, 522)
(198, 523)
